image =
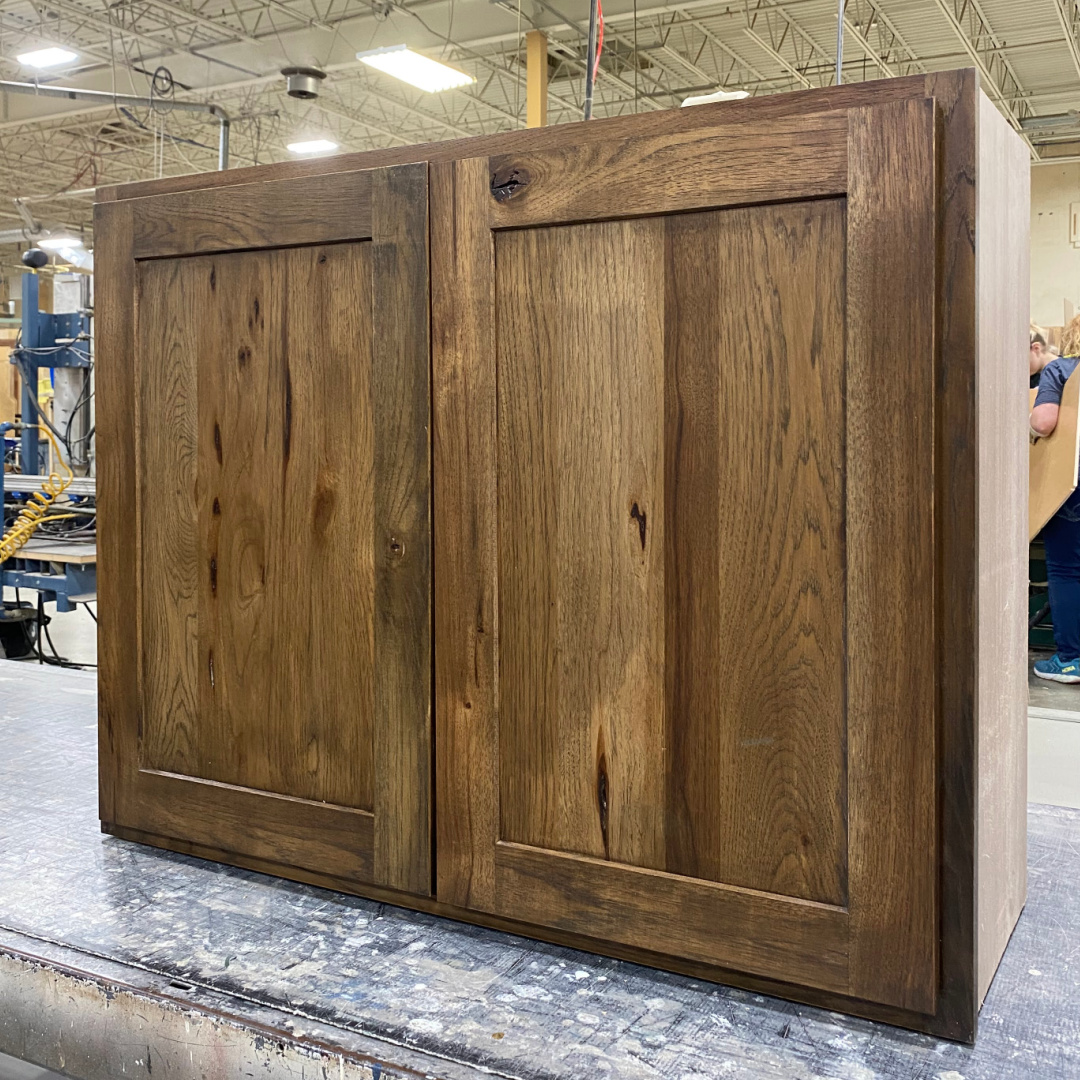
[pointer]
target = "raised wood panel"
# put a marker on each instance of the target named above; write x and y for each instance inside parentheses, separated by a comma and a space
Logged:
(258, 575)
(755, 549)
(581, 538)
(632, 537)
(671, 171)
(168, 542)
(313, 210)
(892, 618)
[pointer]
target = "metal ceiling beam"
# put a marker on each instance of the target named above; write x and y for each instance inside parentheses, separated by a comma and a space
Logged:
(182, 12)
(1069, 17)
(814, 58)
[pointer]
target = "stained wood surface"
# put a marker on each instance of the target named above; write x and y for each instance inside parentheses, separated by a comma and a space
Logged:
(401, 477)
(671, 171)
(606, 654)
(257, 489)
(755, 549)
(465, 343)
(117, 503)
(1004, 215)
(955, 96)
(282, 597)
(313, 210)
(1053, 461)
(631, 540)
(891, 632)
(717, 115)
(581, 540)
(800, 942)
(465, 534)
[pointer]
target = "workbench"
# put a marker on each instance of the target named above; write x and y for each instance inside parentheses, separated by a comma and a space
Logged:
(123, 960)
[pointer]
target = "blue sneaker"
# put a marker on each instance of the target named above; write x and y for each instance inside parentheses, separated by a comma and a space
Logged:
(1057, 670)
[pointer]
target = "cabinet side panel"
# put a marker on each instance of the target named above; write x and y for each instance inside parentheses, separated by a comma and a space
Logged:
(118, 635)
(1002, 274)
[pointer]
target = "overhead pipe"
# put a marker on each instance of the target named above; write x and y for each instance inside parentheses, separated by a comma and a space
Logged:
(70, 93)
(840, 42)
(590, 69)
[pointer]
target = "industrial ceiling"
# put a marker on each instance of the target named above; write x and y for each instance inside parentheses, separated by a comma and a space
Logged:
(231, 53)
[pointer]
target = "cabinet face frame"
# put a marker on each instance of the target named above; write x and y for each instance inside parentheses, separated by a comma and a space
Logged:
(882, 944)
(388, 842)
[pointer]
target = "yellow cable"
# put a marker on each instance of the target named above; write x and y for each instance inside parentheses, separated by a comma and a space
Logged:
(37, 506)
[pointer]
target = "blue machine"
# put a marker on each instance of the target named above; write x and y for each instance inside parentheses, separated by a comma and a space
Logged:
(47, 341)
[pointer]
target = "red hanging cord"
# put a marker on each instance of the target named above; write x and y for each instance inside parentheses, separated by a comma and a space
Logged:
(599, 38)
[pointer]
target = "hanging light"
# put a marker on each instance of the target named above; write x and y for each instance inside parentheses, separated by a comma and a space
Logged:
(49, 57)
(312, 146)
(419, 71)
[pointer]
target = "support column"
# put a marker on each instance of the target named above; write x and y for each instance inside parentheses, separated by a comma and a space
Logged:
(536, 86)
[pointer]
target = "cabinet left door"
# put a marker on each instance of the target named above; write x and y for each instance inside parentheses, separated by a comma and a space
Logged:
(263, 402)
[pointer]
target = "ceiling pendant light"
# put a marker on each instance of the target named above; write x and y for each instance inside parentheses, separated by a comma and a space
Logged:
(415, 69)
(52, 56)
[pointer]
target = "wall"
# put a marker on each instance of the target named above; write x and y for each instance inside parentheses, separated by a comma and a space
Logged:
(1055, 263)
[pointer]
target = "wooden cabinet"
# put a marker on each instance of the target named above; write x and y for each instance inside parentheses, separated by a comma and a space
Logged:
(265, 492)
(686, 638)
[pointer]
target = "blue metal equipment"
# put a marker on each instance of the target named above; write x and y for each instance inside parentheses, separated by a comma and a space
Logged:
(46, 341)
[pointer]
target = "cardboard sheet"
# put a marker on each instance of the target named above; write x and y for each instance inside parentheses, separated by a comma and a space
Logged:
(1053, 460)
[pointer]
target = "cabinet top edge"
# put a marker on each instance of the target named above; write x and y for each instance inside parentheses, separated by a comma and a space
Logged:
(539, 139)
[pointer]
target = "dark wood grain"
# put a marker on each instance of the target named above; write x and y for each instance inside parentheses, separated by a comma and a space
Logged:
(671, 171)
(117, 502)
(167, 377)
(465, 536)
(581, 539)
(892, 706)
(313, 210)
(755, 564)
(283, 518)
(300, 832)
(401, 469)
(956, 438)
(794, 940)
(285, 576)
(670, 121)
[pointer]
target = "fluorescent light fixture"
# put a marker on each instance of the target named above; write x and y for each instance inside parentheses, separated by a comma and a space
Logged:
(55, 243)
(312, 146)
(419, 71)
(720, 95)
(47, 58)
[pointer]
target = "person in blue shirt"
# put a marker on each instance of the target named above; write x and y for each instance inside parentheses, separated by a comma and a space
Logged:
(1061, 536)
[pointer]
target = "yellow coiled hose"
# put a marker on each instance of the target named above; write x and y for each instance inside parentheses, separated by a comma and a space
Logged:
(37, 506)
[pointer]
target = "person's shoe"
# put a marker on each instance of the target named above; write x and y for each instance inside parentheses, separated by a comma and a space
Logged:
(1057, 670)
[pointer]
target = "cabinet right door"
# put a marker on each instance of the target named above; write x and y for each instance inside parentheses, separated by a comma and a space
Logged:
(684, 534)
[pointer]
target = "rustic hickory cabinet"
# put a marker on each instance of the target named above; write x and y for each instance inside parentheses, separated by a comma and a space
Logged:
(613, 533)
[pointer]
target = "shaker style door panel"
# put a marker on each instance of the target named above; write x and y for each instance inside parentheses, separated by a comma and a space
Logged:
(280, 475)
(685, 603)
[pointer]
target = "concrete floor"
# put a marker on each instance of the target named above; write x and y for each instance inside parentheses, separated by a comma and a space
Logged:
(13, 1069)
